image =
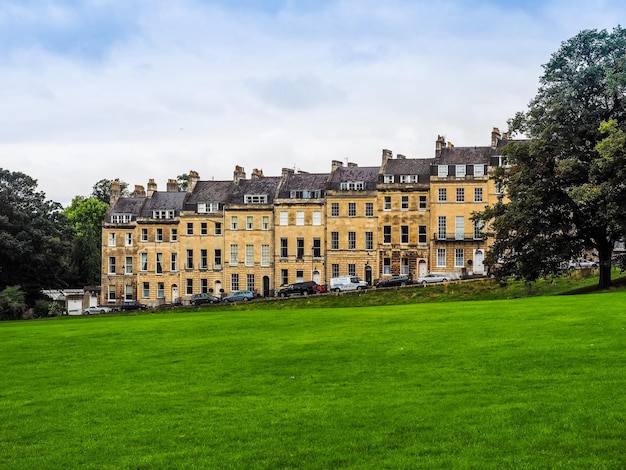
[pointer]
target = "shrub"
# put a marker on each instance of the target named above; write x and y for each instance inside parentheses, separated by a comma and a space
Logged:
(12, 303)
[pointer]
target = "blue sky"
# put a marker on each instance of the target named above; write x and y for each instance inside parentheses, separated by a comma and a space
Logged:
(154, 88)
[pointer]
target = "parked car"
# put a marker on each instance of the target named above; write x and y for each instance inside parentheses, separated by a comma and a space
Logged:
(200, 299)
(344, 283)
(394, 281)
(133, 305)
(301, 288)
(239, 296)
(432, 278)
(97, 309)
(581, 264)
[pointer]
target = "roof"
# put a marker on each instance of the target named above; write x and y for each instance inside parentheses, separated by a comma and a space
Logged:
(303, 181)
(127, 205)
(261, 186)
(355, 173)
(408, 166)
(163, 200)
(465, 155)
(211, 191)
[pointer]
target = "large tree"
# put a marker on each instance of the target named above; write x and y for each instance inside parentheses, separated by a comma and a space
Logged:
(34, 242)
(102, 190)
(562, 198)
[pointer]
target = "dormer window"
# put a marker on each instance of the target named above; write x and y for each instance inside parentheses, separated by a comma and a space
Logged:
(208, 207)
(163, 214)
(352, 186)
(121, 218)
(388, 178)
(255, 199)
(305, 194)
(409, 179)
(479, 171)
(442, 171)
(461, 171)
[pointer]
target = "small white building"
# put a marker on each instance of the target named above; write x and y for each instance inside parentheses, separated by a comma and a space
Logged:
(70, 300)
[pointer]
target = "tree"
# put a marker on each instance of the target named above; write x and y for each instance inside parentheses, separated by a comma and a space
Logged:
(34, 242)
(12, 304)
(102, 190)
(85, 221)
(562, 196)
(183, 182)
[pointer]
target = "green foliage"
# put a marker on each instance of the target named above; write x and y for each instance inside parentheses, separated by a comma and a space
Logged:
(46, 308)
(12, 303)
(530, 383)
(565, 186)
(102, 190)
(183, 182)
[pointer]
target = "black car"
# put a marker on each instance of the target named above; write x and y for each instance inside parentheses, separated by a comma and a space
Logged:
(301, 288)
(395, 281)
(199, 299)
(133, 305)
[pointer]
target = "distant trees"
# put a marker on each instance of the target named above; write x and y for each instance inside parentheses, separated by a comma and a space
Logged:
(566, 187)
(102, 190)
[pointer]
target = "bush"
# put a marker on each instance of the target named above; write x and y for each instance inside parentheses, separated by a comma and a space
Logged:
(47, 308)
(12, 303)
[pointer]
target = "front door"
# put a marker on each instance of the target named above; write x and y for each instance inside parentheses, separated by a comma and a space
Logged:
(174, 293)
(368, 275)
(479, 256)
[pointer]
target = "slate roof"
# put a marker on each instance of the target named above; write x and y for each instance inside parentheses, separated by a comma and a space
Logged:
(266, 185)
(126, 205)
(303, 181)
(408, 166)
(164, 200)
(211, 191)
(466, 155)
(367, 174)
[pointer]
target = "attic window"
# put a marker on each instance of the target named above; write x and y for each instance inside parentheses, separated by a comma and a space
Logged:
(305, 194)
(121, 218)
(352, 186)
(208, 207)
(461, 171)
(255, 198)
(479, 170)
(388, 178)
(409, 179)
(442, 171)
(165, 214)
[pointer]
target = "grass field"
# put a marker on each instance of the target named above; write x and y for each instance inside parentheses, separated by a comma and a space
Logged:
(523, 383)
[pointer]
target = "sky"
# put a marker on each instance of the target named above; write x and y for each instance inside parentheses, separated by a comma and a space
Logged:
(141, 89)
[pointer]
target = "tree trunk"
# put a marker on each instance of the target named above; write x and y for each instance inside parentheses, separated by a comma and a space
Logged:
(604, 256)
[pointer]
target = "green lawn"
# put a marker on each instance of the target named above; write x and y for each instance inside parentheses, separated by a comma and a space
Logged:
(523, 383)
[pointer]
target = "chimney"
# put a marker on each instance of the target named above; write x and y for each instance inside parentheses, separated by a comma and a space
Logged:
(256, 174)
(440, 144)
(115, 193)
(192, 180)
(352, 165)
(495, 137)
(172, 186)
(387, 155)
(505, 136)
(139, 191)
(152, 187)
(287, 172)
(400, 157)
(450, 145)
(239, 174)
(336, 164)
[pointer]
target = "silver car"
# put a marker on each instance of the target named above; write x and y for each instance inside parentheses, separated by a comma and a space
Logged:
(97, 309)
(431, 279)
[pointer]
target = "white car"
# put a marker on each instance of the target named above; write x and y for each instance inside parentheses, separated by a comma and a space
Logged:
(431, 278)
(97, 309)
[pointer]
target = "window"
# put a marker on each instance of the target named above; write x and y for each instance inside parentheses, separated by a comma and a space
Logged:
(317, 248)
(405, 203)
(204, 228)
(145, 290)
(442, 171)
(460, 194)
(111, 239)
(174, 262)
(388, 179)
(461, 171)
(409, 179)
(265, 223)
(422, 206)
(305, 194)
(284, 277)
(334, 240)
(459, 230)
(387, 234)
(284, 218)
(208, 207)
(201, 208)
(144, 234)
(204, 259)
(421, 235)
(300, 248)
(441, 257)
(441, 193)
(189, 264)
(441, 227)
(234, 282)
(284, 248)
(478, 194)
(404, 234)
(121, 218)
(250, 282)
(233, 222)
(459, 257)
(204, 286)
(129, 239)
(234, 255)
(111, 264)
(351, 240)
(159, 235)
(479, 170)
(352, 186)
(334, 270)
(217, 259)
(111, 294)
(255, 199)
(128, 292)
(218, 228)
(369, 209)
(174, 235)
(351, 269)
(499, 188)
(369, 240)
(159, 263)
(249, 222)
(299, 218)
(352, 209)
(189, 286)
(299, 275)
(189, 228)
(160, 290)
(387, 266)
(144, 261)
(387, 203)
(404, 266)
(478, 230)
(317, 218)
(128, 266)
(265, 255)
(249, 255)
(334, 209)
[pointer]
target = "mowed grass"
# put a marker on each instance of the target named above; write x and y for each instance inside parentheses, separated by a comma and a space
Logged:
(522, 383)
